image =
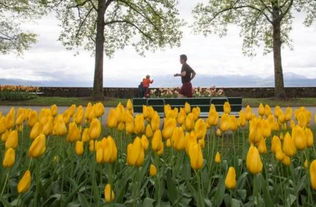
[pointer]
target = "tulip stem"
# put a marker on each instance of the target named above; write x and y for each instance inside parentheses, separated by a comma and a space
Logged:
(5, 183)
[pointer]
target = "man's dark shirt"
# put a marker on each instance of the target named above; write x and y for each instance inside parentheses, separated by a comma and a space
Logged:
(189, 71)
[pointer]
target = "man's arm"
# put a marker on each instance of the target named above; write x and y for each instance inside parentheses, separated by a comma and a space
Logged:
(193, 74)
(180, 74)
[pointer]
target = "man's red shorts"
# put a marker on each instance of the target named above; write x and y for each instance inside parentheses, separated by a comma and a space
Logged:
(186, 89)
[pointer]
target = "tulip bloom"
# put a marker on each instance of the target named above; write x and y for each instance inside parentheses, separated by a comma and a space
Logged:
(261, 110)
(9, 158)
(196, 156)
(169, 126)
(152, 170)
(12, 140)
(25, 182)
(312, 174)
(108, 193)
(187, 107)
(177, 139)
(155, 122)
(149, 131)
(59, 128)
(145, 142)
(95, 129)
(54, 109)
(38, 146)
(288, 145)
(253, 161)
(309, 137)
(139, 125)
(79, 148)
(230, 180)
(112, 119)
(189, 122)
(218, 157)
(135, 153)
(227, 108)
(200, 128)
(299, 136)
(129, 105)
(262, 146)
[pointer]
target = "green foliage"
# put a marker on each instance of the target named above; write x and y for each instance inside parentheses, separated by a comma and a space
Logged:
(143, 24)
(254, 17)
(16, 95)
(13, 14)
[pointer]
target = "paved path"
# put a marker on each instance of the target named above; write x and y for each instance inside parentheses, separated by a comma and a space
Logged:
(5, 109)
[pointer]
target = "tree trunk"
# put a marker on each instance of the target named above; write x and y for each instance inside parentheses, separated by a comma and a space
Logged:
(279, 90)
(99, 51)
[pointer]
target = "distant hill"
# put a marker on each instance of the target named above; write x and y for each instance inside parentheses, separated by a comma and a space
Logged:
(291, 80)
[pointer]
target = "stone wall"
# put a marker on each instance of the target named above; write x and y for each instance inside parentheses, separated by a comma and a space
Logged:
(292, 92)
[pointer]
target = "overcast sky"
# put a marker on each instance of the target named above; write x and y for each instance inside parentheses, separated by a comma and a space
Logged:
(49, 61)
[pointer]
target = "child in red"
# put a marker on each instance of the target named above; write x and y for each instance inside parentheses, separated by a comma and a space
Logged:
(146, 82)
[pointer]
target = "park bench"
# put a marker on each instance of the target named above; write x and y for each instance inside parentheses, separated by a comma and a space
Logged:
(203, 103)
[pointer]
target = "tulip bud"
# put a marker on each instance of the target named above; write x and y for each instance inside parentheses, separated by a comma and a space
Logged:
(139, 125)
(218, 132)
(91, 146)
(108, 193)
(9, 158)
(230, 181)
(54, 109)
(312, 174)
(145, 142)
(196, 156)
(12, 140)
(218, 157)
(95, 129)
(227, 108)
(261, 110)
(156, 142)
(288, 145)
(79, 147)
(25, 182)
(149, 131)
(187, 107)
(38, 146)
(262, 146)
(286, 160)
(152, 170)
(306, 163)
(299, 136)
(309, 137)
(253, 161)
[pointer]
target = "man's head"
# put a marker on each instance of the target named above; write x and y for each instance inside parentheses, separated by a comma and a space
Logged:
(183, 59)
(147, 76)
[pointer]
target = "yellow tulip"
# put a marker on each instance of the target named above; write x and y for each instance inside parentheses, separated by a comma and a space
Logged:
(261, 110)
(139, 125)
(99, 154)
(156, 142)
(109, 195)
(177, 139)
(253, 161)
(262, 146)
(99, 109)
(95, 129)
(149, 131)
(5, 135)
(91, 146)
(230, 180)
(9, 158)
(279, 155)
(3, 126)
(59, 128)
(74, 133)
(218, 132)
(121, 126)
(299, 136)
(288, 145)
(155, 122)
(54, 109)
(196, 156)
(79, 115)
(248, 113)
(286, 161)
(189, 122)
(48, 126)
(242, 119)
(218, 158)
(25, 182)
(288, 113)
(169, 126)
(135, 153)
(212, 118)
(275, 144)
(267, 110)
(112, 119)
(312, 174)
(309, 137)
(181, 116)
(85, 135)
(129, 105)
(187, 107)
(38, 146)
(227, 108)
(37, 129)
(145, 142)
(224, 123)
(79, 147)
(129, 127)
(152, 170)
(168, 143)
(306, 164)
(12, 140)
(200, 128)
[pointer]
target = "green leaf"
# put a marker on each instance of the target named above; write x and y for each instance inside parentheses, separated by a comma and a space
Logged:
(148, 202)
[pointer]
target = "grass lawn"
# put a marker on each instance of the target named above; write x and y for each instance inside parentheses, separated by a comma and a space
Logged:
(109, 102)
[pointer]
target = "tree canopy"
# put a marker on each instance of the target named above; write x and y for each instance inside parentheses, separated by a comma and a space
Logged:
(254, 17)
(143, 24)
(13, 14)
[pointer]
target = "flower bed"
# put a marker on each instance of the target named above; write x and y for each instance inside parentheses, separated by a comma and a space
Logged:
(197, 92)
(17, 93)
